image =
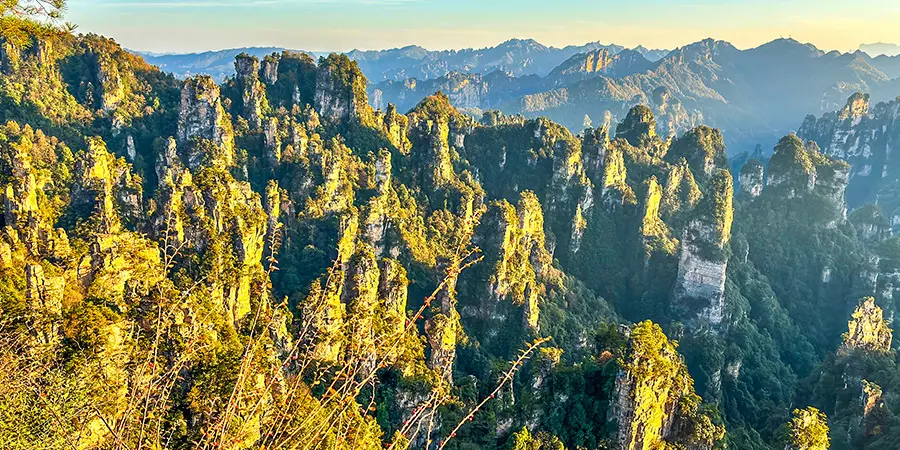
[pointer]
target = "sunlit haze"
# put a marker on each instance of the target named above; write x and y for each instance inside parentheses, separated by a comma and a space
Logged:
(340, 25)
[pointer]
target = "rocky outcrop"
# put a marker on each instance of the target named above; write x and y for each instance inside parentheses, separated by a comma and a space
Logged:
(253, 91)
(340, 95)
(681, 193)
(570, 192)
(798, 169)
(393, 291)
(595, 62)
(44, 295)
(703, 148)
(436, 127)
(650, 389)
(868, 331)
(270, 69)
(202, 117)
(395, 126)
(20, 197)
(655, 233)
(111, 84)
(204, 211)
(519, 262)
(323, 315)
(873, 407)
(791, 167)
(613, 188)
(752, 178)
(361, 297)
(594, 144)
(106, 191)
(866, 138)
(442, 331)
(638, 127)
(700, 285)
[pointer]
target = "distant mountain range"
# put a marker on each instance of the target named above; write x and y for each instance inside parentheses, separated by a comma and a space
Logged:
(518, 57)
(753, 95)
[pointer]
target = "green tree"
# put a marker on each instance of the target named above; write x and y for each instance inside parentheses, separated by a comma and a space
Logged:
(22, 19)
(808, 430)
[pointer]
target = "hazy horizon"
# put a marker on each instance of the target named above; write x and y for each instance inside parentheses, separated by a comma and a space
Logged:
(496, 44)
(194, 26)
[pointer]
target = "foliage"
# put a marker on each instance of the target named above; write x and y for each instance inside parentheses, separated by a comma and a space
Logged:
(808, 430)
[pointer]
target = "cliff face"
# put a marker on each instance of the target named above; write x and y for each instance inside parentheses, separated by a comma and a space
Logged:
(652, 394)
(868, 331)
(202, 117)
(700, 286)
(865, 137)
(511, 285)
(253, 91)
(340, 94)
(752, 178)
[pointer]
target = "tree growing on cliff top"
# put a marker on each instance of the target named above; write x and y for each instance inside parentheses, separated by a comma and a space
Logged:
(22, 19)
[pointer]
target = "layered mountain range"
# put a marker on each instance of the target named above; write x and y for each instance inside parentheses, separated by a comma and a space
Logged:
(753, 95)
(518, 57)
(271, 261)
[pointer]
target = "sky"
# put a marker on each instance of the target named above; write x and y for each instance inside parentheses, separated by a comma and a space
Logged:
(340, 25)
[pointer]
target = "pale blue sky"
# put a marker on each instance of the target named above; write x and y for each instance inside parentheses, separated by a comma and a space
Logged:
(340, 25)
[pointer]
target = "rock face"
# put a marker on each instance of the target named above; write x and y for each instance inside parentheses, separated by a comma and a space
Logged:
(270, 69)
(112, 87)
(700, 285)
(873, 407)
(650, 386)
(45, 296)
(798, 169)
(513, 237)
(202, 116)
(106, 188)
(595, 62)
(613, 188)
(638, 127)
(253, 91)
(436, 128)
(340, 95)
(752, 178)
(866, 138)
(868, 331)
(656, 234)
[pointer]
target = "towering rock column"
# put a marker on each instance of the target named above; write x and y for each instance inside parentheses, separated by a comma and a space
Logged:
(202, 117)
(752, 178)
(340, 95)
(254, 92)
(700, 286)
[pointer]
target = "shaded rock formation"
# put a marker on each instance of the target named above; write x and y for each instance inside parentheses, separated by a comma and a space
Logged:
(700, 286)
(866, 138)
(752, 178)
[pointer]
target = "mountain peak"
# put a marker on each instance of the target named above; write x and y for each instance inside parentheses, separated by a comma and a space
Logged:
(530, 44)
(790, 46)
